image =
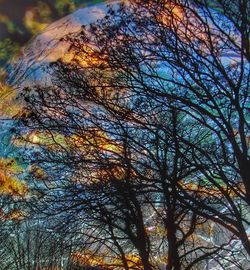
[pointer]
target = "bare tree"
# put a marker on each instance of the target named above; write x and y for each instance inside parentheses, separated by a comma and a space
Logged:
(196, 55)
(146, 129)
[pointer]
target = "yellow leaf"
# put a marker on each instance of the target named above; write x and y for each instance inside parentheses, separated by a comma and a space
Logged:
(9, 105)
(9, 183)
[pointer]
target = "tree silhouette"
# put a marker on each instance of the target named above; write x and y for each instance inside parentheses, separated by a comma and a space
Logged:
(144, 135)
(197, 55)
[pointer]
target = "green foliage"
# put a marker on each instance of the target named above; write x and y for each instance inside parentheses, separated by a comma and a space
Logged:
(8, 49)
(65, 6)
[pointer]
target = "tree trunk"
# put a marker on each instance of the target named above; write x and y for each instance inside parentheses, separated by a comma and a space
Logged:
(173, 262)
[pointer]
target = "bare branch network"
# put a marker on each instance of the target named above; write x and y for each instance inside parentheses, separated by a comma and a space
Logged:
(140, 145)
